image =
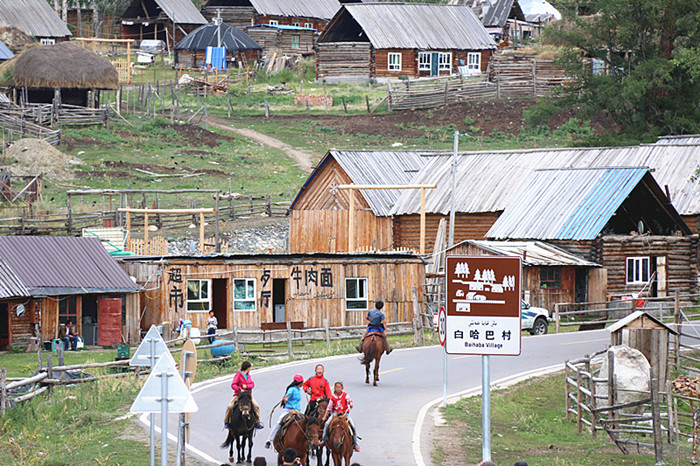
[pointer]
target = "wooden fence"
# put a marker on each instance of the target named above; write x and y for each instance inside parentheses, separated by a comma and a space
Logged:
(14, 128)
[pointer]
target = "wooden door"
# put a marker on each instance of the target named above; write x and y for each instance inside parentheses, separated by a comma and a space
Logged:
(109, 322)
(4, 326)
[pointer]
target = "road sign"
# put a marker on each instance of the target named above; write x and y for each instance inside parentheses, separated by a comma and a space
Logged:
(483, 305)
(189, 361)
(142, 356)
(179, 398)
(442, 325)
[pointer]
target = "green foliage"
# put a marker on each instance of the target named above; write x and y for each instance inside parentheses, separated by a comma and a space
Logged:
(573, 129)
(468, 121)
(541, 113)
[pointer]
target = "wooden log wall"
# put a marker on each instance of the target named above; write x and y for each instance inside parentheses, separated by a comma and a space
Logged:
(693, 222)
(467, 226)
(197, 59)
(342, 59)
(409, 63)
(317, 24)
(280, 40)
(239, 16)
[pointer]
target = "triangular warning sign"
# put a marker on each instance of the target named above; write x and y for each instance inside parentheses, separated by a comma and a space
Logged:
(142, 356)
(180, 399)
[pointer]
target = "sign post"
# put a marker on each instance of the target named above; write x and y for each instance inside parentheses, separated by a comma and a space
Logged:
(442, 334)
(483, 317)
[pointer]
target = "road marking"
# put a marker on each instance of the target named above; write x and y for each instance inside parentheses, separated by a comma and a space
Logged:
(462, 357)
(584, 341)
(391, 370)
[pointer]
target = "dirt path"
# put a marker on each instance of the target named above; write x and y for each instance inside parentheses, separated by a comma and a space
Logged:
(303, 159)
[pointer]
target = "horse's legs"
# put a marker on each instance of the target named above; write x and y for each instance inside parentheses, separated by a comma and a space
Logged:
(367, 371)
(230, 451)
(376, 370)
(250, 447)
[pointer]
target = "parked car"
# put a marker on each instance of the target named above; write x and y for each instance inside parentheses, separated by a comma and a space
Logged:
(534, 319)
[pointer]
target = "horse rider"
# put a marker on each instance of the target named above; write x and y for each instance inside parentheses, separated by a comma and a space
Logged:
(339, 403)
(377, 323)
(291, 401)
(243, 381)
(318, 387)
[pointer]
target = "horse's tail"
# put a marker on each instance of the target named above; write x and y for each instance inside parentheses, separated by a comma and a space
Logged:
(370, 347)
(230, 438)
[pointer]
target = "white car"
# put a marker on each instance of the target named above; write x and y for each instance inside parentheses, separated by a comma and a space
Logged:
(534, 319)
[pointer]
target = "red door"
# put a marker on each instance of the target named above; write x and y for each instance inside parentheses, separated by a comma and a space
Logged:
(109, 321)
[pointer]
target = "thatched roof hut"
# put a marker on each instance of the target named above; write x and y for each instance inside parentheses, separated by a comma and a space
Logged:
(65, 65)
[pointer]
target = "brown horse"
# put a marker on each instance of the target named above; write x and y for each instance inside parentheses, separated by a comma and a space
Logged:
(340, 439)
(373, 347)
(318, 411)
(301, 433)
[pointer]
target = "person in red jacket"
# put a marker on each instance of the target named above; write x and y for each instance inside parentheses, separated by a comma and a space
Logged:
(339, 403)
(243, 381)
(318, 387)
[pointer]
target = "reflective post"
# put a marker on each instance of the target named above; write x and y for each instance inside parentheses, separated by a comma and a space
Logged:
(152, 416)
(486, 407)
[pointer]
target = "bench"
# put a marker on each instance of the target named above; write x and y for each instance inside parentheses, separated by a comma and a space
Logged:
(267, 326)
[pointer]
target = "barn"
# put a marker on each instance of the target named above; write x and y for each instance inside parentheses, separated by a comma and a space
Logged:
(166, 20)
(35, 18)
(310, 14)
(392, 40)
(191, 51)
(245, 291)
(46, 281)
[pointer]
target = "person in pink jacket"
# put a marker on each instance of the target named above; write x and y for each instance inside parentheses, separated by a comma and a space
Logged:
(242, 381)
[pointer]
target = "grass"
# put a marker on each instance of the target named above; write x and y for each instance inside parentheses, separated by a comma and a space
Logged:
(528, 423)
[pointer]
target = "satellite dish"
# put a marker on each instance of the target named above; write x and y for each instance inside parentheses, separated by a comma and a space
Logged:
(20, 310)
(640, 227)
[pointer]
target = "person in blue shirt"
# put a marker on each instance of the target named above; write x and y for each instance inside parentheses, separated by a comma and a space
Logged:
(291, 401)
(377, 323)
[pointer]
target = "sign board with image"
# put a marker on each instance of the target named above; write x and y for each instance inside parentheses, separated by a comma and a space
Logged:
(483, 305)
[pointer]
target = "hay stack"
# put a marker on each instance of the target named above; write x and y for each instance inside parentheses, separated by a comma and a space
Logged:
(65, 65)
(16, 40)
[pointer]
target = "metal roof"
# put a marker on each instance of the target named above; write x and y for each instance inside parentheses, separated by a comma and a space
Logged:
(577, 204)
(539, 7)
(375, 168)
(420, 26)
(280, 26)
(50, 266)
(287, 258)
(488, 180)
(178, 11)
(532, 253)
(321, 9)
(5, 53)
(208, 36)
(495, 12)
(10, 285)
(638, 315)
(34, 17)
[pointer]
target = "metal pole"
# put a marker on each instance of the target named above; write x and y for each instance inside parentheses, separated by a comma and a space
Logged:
(451, 236)
(486, 407)
(444, 377)
(181, 421)
(152, 416)
(163, 417)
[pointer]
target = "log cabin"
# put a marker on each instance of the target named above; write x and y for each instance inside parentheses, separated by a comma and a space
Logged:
(283, 39)
(191, 51)
(35, 18)
(166, 20)
(47, 281)
(310, 14)
(393, 40)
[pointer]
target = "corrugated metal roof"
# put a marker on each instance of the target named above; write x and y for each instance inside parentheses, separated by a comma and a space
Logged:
(208, 36)
(181, 11)
(321, 9)
(533, 253)
(10, 284)
(577, 204)
(488, 180)
(495, 12)
(420, 26)
(34, 17)
(48, 266)
(286, 27)
(5, 53)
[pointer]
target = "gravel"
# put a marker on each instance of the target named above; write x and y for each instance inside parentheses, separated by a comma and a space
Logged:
(271, 237)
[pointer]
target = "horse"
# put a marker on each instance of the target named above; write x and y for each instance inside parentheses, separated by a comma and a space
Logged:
(241, 427)
(340, 439)
(373, 347)
(321, 405)
(302, 432)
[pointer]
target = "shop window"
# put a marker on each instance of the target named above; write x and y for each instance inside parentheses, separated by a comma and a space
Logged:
(637, 269)
(355, 294)
(198, 295)
(550, 277)
(244, 294)
(67, 310)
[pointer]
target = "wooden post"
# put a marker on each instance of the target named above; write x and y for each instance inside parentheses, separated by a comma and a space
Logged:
(201, 232)
(235, 336)
(146, 246)
(367, 100)
(534, 78)
(422, 220)
(3, 391)
(656, 417)
(267, 110)
(556, 318)
(447, 84)
(579, 401)
(567, 391)
(593, 407)
(289, 339)
(216, 229)
(677, 327)
(611, 386)
(328, 334)
(418, 327)
(351, 223)
(345, 106)
(60, 355)
(49, 369)
(38, 354)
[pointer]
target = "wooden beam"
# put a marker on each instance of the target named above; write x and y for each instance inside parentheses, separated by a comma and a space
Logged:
(351, 224)
(422, 220)
(145, 234)
(201, 233)
(387, 186)
(209, 210)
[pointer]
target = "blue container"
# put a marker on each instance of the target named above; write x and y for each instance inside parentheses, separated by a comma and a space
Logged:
(223, 350)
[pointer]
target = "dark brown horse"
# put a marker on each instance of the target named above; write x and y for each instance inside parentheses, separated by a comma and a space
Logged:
(373, 348)
(340, 440)
(241, 426)
(318, 411)
(303, 432)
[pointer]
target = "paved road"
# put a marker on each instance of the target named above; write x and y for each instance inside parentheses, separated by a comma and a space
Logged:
(391, 418)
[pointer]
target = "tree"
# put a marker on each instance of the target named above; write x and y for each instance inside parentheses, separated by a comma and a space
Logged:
(650, 79)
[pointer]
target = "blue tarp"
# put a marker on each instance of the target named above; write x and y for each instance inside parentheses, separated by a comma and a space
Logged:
(216, 57)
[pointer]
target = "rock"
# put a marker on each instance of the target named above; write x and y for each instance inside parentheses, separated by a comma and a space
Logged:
(632, 382)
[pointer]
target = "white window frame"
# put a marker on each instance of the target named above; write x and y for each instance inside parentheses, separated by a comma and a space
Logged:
(274, 22)
(445, 61)
(296, 24)
(394, 66)
(296, 41)
(203, 304)
(361, 287)
(47, 41)
(474, 62)
(634, 269)
(424, 61)
(309, 25)
(248, 299)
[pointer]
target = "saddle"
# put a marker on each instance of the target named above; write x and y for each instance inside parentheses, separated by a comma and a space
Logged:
(375, 332)
(291, 417)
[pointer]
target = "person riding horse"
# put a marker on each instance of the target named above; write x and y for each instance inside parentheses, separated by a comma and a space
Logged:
(339, 403)
(243, 381)
(377, 323)
(291, 401)
(318, 387)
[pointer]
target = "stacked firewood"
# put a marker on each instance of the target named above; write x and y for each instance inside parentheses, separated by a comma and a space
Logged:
(687, 386)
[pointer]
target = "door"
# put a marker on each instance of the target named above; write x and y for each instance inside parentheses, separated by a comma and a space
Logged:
(219, 287)
(109, 328)
(581, 285)
(89, 319)
(434, 64)
(279, 290)
(4, 326)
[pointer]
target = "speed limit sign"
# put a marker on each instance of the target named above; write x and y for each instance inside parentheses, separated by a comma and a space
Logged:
(442, 325)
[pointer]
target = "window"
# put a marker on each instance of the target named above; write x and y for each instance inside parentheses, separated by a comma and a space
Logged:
(356, 294)
(474, 62)
(244, 294)
(296, 24)
(424, 61)
(550, 277)
(394, 62)
(309, 25)
(637, 269)
(48, 42)
(198, 295)
(295, 42)
(67, 310)
(273, 22)
(445, 61)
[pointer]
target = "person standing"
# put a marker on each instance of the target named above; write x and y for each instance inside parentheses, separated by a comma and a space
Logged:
(317, 387)
(376, 323)
(243, 381)
(291, 401)
(212, 325)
